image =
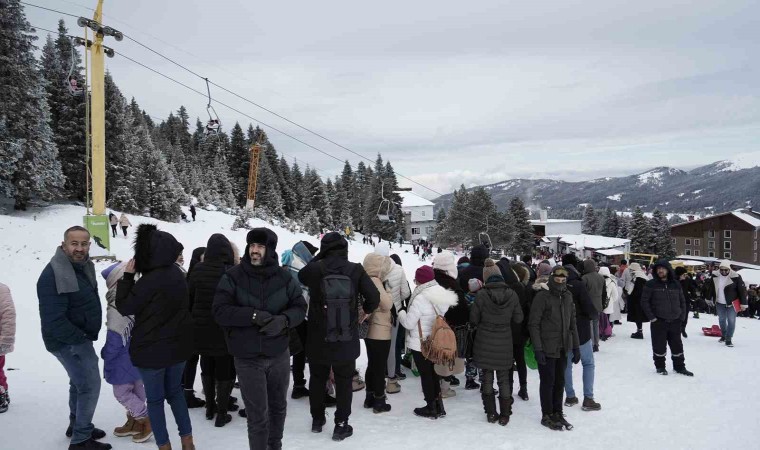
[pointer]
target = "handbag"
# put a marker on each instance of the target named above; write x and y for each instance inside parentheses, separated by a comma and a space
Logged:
(465, 340)
(530, 356)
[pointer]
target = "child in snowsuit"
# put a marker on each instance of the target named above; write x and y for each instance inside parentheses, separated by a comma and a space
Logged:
(118, 370)
(7, 339)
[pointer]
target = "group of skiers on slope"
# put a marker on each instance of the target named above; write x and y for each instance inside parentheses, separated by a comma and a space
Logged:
(245, 317)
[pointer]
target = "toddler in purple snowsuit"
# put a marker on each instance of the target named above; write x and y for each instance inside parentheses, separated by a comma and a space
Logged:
(118, 370)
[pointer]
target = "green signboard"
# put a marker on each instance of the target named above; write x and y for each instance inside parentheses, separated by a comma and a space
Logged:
(99, 229)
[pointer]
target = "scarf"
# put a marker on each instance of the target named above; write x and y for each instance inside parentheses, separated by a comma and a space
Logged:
(115, 321)
(65, 278)
(419, 289)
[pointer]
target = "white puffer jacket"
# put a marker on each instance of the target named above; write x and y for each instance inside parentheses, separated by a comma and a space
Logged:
(428, 300)
(397, 284)
(612, 291)
(7, 321)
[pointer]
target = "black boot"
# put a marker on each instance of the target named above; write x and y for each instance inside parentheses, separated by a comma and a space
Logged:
(439, 410)
(342, 430)
(90, 444)
(523, 392)
(549, 422)
(317, 424)
(505, 408)
(223, 390)
(299, 391)
(193, 401)
(209, 391)
(471, 384)
(379, 405)
(428, 411)
(560, 419)
(489, 406)
(369, 399)
(638, 335)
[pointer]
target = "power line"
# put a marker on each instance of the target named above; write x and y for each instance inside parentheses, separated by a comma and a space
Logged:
(49, 9)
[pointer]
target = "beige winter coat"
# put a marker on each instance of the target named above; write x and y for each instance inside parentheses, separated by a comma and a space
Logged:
(378, 268)
(7, 321)
(124, 221)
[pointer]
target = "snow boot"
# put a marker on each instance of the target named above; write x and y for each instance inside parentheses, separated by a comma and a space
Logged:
(342, 431)
(128, 429)
(523, 393)
(299, 391)
(454, 381)
(393, 386)
(223, 389)
(470, 384)
(729, 343)
(242, 413)
(400, 375)
(549, 423)
(167, 446)
(187, 441)
(317, 424)
(369, 400)
(683, 371)
(96, 434)
(662, 371)
(489, 405)
(90, 444)
(439, 409)
(638, 335)
(379, 405)
(683, 333)
(193, 401)
(357, 384)
(560, 419)
(428, 411)
(505, 408)
(595, 348)
(446, 390)
(590, 405)
(209, 391)
(722, 340)
(571, 401)
(143, 429)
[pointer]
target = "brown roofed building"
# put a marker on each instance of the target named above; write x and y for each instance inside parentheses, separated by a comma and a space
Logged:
(732, 235)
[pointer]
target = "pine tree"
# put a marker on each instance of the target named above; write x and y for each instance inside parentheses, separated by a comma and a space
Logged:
(361, 185)
(240, 162)
(610, 224)
(317, 198)
(11, 152)
(241, 219)
(311, 223)
(289, 198)
(523, 242)
(157, 192)
(25, 112)
(302, 204)
(268, 191)
(663, 243)
(640, 233)
(590, 224)
(455, 229)
(623, 227)
(123, 149)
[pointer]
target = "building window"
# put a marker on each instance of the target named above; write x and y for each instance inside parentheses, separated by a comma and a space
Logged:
(726, 234)
(755, 257)
(688, 241)
(726, 255)
(755, 245)
(711, 245)
(423, 213)
(697, 243)
(711, 254)
(415, 230)
(687, 252)
(727, 245)
(711, 234)
(696, 252)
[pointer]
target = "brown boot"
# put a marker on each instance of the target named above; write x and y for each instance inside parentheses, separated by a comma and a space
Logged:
(128, 429)
(142, 425)
(166, 446)
(187, 443)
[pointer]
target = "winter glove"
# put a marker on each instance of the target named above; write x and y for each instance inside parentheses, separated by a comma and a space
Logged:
(276, 326)
(540, 357)
(576, 355)
(261, 318)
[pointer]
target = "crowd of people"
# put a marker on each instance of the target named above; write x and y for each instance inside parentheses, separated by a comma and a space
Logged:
(243, 316)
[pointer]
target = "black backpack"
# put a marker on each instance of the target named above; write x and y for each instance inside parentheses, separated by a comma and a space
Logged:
(339, 295)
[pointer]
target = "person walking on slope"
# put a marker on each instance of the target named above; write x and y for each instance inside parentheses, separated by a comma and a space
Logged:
(7, 339)
(428, 301)
(457, 317)
(634, 289)
(71, 317)
(257, 303)
(162, 336)
(114, 221)
(495, 310)
(664, 305)
(723, 287)
(124, 222)
(553, 332)
(192, 211)
(334, 286)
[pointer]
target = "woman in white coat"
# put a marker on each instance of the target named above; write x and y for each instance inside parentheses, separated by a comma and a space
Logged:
(613, 294)
(428, 301)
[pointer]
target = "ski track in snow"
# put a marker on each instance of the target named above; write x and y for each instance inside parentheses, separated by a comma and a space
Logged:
(715, 409)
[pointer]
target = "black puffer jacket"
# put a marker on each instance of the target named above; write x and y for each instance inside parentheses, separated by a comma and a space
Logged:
(552, 321)
(509, 273)
(333, 253)
(478, 257)
(663, 300)
(247, 288)
(584, 307)
(202, 283)
(460, 314)
(163, 332)
(495, 310)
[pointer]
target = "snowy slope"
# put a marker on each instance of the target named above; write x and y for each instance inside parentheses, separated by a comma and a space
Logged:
(716, 409)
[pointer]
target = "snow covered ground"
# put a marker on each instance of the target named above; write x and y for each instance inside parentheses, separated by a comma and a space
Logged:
(716, 409)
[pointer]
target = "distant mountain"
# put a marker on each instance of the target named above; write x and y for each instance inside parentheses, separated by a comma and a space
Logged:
(720, 186)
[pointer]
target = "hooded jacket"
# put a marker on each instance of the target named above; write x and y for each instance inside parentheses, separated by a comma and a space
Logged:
(552, 323)
(733, 290)
(663, 300)
(611, 287)
(163, 331)
(510, 270)
(428, 301)
(245, 289)
(638, 280)
(495, 310)
(378, 268)
(202, 283)
(333, 259)
(478, 257)
(584, 307)
(594, 284)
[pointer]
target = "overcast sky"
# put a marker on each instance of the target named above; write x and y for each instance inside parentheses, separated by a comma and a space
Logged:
(460, 92)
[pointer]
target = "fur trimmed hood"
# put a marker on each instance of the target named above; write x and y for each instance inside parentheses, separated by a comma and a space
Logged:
(154, 248)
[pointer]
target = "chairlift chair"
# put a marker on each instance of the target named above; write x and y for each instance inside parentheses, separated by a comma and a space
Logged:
(213, 126)
(70, 81)
(384, 212)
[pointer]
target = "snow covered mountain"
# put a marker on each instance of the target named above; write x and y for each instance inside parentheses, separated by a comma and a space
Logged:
(720, 186)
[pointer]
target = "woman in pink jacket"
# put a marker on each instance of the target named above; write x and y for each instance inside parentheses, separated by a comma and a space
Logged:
(7, 339)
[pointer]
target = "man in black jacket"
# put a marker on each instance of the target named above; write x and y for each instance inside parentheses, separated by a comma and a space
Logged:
(256, 303)
(664, 306)
(333, 344)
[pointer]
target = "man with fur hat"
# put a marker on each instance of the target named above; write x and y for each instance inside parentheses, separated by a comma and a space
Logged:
(664, 306)
(334, 285)
(257, 302)
(724, 287)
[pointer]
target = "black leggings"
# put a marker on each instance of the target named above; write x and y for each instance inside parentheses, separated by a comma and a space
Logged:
(431, 382)
(124, 229)
(377, 360)
(552, 375)
(113, 230)
(518, 349)
(221, 368)
(188, 376)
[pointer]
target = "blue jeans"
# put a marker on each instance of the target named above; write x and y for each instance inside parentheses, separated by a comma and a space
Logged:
(81, 364)
(166, 384)
(727, 319)
(587, 359)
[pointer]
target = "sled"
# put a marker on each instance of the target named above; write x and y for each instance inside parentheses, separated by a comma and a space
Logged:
(713, 331)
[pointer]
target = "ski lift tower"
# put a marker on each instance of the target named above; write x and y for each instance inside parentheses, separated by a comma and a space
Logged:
(253, 174)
